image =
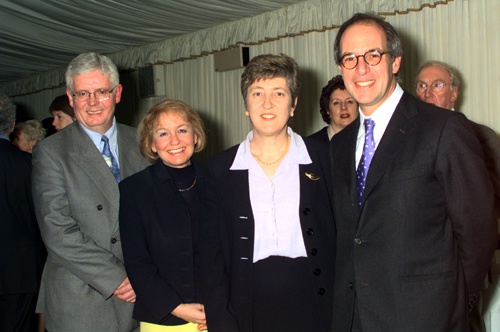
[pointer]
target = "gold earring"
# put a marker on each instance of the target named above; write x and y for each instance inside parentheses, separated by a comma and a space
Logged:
(246, 113)
(291, 114)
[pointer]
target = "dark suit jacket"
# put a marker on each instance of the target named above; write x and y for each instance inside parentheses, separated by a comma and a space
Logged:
(491, 149)
(419, 246)
(21, 247)
(155, 228)
(321, 135)
(229, 238)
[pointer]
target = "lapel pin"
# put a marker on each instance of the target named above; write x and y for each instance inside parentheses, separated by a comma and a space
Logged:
(312, 176)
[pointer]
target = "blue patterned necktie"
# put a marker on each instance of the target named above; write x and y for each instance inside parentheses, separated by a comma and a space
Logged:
(366, 157)
(110, 160)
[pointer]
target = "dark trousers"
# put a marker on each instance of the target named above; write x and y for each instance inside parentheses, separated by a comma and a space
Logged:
(17, 313)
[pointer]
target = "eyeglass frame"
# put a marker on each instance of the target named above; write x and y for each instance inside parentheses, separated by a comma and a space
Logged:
(431, 85)
(363, 55)
(88, 94)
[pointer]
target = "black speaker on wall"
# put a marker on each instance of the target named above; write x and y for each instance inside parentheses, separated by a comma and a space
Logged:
(152, 81)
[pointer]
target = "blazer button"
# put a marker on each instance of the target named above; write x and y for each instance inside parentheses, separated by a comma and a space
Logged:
(113, 240)
(99, 207)
(310, 231)
(317, 272)
(358, 240)
(307, 211)
(351, 285)
(321, 291)
(314, 251)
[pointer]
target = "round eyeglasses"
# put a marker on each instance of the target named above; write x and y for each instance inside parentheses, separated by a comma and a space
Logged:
(372, 57)
(100, 94)
(434, 87)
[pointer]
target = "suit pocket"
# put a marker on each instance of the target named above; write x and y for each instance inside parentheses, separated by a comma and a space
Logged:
(423, 277)
(406, 174)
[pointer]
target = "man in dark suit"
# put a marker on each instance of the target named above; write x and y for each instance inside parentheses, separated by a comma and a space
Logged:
(23, 252)
(413, 201)
(75, 189)
(438, 83)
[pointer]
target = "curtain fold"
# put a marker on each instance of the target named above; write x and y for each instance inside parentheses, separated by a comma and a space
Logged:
(297, 19)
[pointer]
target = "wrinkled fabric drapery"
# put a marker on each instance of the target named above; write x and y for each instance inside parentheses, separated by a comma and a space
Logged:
(33, 30)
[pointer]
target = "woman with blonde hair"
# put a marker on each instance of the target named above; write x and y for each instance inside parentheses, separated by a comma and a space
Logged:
(160, 214)
(28, 134)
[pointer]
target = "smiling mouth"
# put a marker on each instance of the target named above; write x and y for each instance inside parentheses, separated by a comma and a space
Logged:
(94, 112)
(268, 116)
(344, 116)
(176, 150)
(366, 83)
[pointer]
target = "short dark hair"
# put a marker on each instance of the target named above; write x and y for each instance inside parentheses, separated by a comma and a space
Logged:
(61, 103)
(150, 121)
(269, 66)
(7, 115)
(324, 100)
(394, 44)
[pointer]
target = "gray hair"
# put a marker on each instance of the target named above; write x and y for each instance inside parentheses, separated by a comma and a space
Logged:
(88, 62)
(32, 130)
(455, 81)
(393, 42)
(7, 115)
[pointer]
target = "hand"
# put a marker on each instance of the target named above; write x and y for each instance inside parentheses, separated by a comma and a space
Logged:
(202, 327)
(125, 292)
(191, 312)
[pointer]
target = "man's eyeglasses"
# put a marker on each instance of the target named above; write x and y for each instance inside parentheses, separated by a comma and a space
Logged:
(372, 57)
(100, 94)
(435, 87)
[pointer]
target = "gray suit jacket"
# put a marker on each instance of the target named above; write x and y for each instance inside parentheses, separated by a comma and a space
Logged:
(76, 200)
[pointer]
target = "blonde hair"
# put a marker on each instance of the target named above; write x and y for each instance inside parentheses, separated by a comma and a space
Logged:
(150, 121)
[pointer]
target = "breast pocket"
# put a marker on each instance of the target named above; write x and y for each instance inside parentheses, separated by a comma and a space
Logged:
(406, 174)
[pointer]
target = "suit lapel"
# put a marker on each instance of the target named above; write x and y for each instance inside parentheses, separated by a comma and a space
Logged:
(130, 157)
(395, 137)
(88, 157)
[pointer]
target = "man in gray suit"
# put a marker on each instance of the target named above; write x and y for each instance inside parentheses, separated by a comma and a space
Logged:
(75, 190)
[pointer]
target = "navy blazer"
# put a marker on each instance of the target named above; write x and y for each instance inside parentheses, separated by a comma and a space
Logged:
(418, 248)
(228, 238)
(321, 135)
(155, 229)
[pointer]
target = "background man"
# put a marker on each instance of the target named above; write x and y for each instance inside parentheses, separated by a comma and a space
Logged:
(75, 189)
(413, 201)
(437, 83)
(23, 252)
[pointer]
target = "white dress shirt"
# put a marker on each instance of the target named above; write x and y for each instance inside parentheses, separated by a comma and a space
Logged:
(275, 203)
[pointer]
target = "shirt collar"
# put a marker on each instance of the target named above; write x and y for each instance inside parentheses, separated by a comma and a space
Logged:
(382, 115)
(96, 137)
(297, 153)
(5, 137)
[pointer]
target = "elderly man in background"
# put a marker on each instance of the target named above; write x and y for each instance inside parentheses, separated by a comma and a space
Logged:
(23, 252)
(437, 83)
(75, 190)
(413, 202)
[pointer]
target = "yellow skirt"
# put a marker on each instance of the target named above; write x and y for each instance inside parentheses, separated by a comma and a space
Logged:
(189, 327)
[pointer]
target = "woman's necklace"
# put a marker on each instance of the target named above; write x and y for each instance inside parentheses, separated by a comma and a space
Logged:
(281, 157)
(190, 186)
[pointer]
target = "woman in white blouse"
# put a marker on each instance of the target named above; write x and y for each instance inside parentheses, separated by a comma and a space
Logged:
(269, 236)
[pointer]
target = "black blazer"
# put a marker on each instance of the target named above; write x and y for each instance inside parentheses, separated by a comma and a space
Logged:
(419, 246)
(228, 238)
(321, 135)
(23, 253)
(155, 229)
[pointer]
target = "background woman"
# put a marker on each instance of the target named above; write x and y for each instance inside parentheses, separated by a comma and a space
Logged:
(27, 134)
(337, 107)
(269, 237)
(62, 112)
(159, 221)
